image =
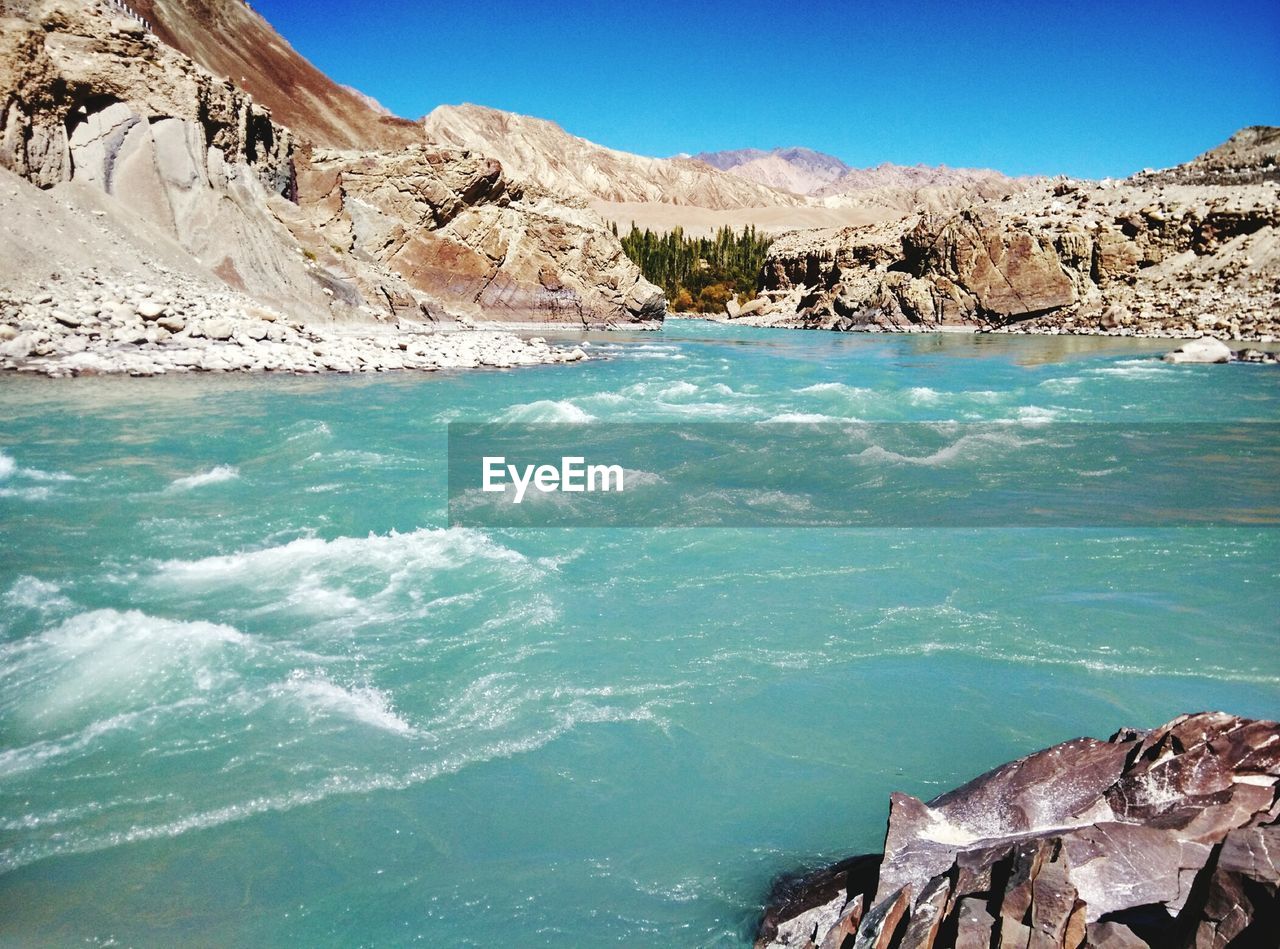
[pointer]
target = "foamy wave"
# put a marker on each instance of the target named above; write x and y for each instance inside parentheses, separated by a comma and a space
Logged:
(14, 761)
(638, 478)
(441, 548)
(1037, 414)
(349, 456)
(964, 448)
(32, 593)
(1133, 367)
(923, 395)
(212, 476)
(118, 660)
(367, 705)
(834, 387)
(802, 418)
(546, 410)
(70, 842)
(341, 584)
(10, 472)
(308, 429)
(679, 390)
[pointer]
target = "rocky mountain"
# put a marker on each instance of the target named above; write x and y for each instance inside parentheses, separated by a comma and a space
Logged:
(803, 171)
(797, 170)
(234, 42)
(890, 177)
(167, 164)
(1251, 156)
(1192, 249)
(545, 154)
(1167, 837)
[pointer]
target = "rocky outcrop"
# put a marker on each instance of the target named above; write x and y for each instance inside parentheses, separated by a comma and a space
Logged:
(1168, 837)
(80, 90)
(1251, 156)
(1145, 256)
(455, 226)
(91, 101)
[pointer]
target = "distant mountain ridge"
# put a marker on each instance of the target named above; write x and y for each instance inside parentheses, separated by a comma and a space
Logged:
(815, 174)
(540, 151)
(798, 170)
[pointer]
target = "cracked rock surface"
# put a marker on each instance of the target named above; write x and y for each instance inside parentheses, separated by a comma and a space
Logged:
(1166, 837)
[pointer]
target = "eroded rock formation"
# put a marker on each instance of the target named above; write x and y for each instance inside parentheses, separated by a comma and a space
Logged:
(93, 103)
(453, 225)
(1192, 249)
(1168, 837)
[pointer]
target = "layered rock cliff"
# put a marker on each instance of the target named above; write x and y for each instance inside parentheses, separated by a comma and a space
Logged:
(453, 225)
(93, 102)
(1160, 838)
(1171, 253)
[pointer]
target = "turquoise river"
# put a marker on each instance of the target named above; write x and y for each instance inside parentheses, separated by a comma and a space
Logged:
(253, 691)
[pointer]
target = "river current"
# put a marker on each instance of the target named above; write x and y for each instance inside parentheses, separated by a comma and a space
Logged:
(253, 690)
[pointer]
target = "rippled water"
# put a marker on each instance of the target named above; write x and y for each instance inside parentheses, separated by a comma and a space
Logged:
(252, 691)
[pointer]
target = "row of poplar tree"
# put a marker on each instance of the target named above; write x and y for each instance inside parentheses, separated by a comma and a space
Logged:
(699, 274)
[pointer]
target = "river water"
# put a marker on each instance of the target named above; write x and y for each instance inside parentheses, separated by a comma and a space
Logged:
(254, 691)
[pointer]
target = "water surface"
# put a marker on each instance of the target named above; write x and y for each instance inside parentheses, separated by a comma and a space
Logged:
(253, 691)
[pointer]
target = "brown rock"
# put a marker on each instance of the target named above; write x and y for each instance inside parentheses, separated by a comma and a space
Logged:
(1151, 838)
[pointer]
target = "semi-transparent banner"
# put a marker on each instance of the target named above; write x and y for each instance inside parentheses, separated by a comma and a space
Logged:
(864, 475)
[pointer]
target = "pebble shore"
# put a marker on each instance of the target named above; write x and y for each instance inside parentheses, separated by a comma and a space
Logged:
(90, 325)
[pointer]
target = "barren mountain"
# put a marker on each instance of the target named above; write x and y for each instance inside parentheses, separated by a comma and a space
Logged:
(179, 160)
(232, 41)
(887, 176)
(1251, 156)
(542, 152)
(798, 170)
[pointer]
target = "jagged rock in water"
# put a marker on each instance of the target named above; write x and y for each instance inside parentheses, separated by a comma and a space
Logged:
(1167, 837)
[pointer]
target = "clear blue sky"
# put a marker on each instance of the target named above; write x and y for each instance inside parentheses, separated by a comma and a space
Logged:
(1084, 88)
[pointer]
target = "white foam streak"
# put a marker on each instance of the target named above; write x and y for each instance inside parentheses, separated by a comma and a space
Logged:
(965, 447)
(546, 410)
(367, 705)
(215, 475)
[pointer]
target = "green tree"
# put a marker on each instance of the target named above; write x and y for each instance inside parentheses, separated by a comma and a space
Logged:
(728, 261)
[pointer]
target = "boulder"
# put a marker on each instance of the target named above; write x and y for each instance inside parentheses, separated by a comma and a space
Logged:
(1162, 837)
(1204, 350)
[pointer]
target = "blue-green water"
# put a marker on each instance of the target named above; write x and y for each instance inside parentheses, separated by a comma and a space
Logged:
(252, 691)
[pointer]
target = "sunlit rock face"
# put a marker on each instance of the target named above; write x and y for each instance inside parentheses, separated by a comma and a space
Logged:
(1162, 837)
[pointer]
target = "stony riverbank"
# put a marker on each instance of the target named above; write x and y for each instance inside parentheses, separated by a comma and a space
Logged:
(89, 324)
(1167, 837)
